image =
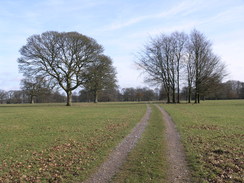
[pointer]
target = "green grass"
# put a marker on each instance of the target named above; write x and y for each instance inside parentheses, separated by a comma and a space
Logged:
(147, 163)
(213, 136)
(54, 143)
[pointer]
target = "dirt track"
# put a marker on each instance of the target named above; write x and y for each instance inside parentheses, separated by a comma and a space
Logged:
(177, 172)
(108, 169)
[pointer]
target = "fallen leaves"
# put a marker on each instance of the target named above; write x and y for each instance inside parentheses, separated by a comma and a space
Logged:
(228, 164)
(63, 161)
(206, 127)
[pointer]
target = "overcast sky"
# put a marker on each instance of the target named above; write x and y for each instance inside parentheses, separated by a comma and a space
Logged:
(122, 27)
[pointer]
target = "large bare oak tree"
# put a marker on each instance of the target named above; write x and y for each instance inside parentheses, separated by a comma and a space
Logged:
(62, 57)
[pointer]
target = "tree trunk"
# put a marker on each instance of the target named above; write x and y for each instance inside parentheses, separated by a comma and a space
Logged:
(196, 91)
(95, 97)
(173, 87)
(196, 97)
(173, 100)
(168, 97)
(178, 82)
(32, 99)
(178, 94)
(168, 94)
(189, 95)
(69, 98)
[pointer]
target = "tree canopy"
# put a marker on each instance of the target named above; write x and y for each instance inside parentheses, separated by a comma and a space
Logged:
(167, 59)
(35, 86)
(101, 75)
(63, 58)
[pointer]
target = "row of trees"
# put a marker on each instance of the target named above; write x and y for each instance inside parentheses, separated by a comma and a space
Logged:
(227, 90)
(69, 60)
(126, 94)
(66, 60)
(21, 96)
(44, 95)
(171, 59)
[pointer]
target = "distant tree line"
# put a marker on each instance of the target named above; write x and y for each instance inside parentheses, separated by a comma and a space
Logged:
(22, 96)
(227, 90)
(47, 95)
(125, 94)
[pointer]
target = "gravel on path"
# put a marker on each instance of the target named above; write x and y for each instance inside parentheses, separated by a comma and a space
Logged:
(178, 171)
(116, 158)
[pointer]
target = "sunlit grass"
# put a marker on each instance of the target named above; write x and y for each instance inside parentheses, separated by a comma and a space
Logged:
(52, 142)
(213, 135)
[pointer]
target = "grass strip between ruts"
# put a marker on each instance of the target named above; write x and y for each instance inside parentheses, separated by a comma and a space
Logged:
(147, 162)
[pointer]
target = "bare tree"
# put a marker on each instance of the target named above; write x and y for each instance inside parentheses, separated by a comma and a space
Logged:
(35, 86)
(14, 97)
(156, 60)
(138, 94)
(60, 57)
(3, 95)
(162, 60)
(164, 57)
(101, 75)
(206, 65)
(190, 72)
(129, 94)
(179, 50)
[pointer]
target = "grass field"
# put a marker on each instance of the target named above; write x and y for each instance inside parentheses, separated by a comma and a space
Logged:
(54, 143)
(147, 162)
(213, 135)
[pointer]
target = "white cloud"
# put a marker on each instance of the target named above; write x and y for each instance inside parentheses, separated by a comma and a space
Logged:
(184, 8)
